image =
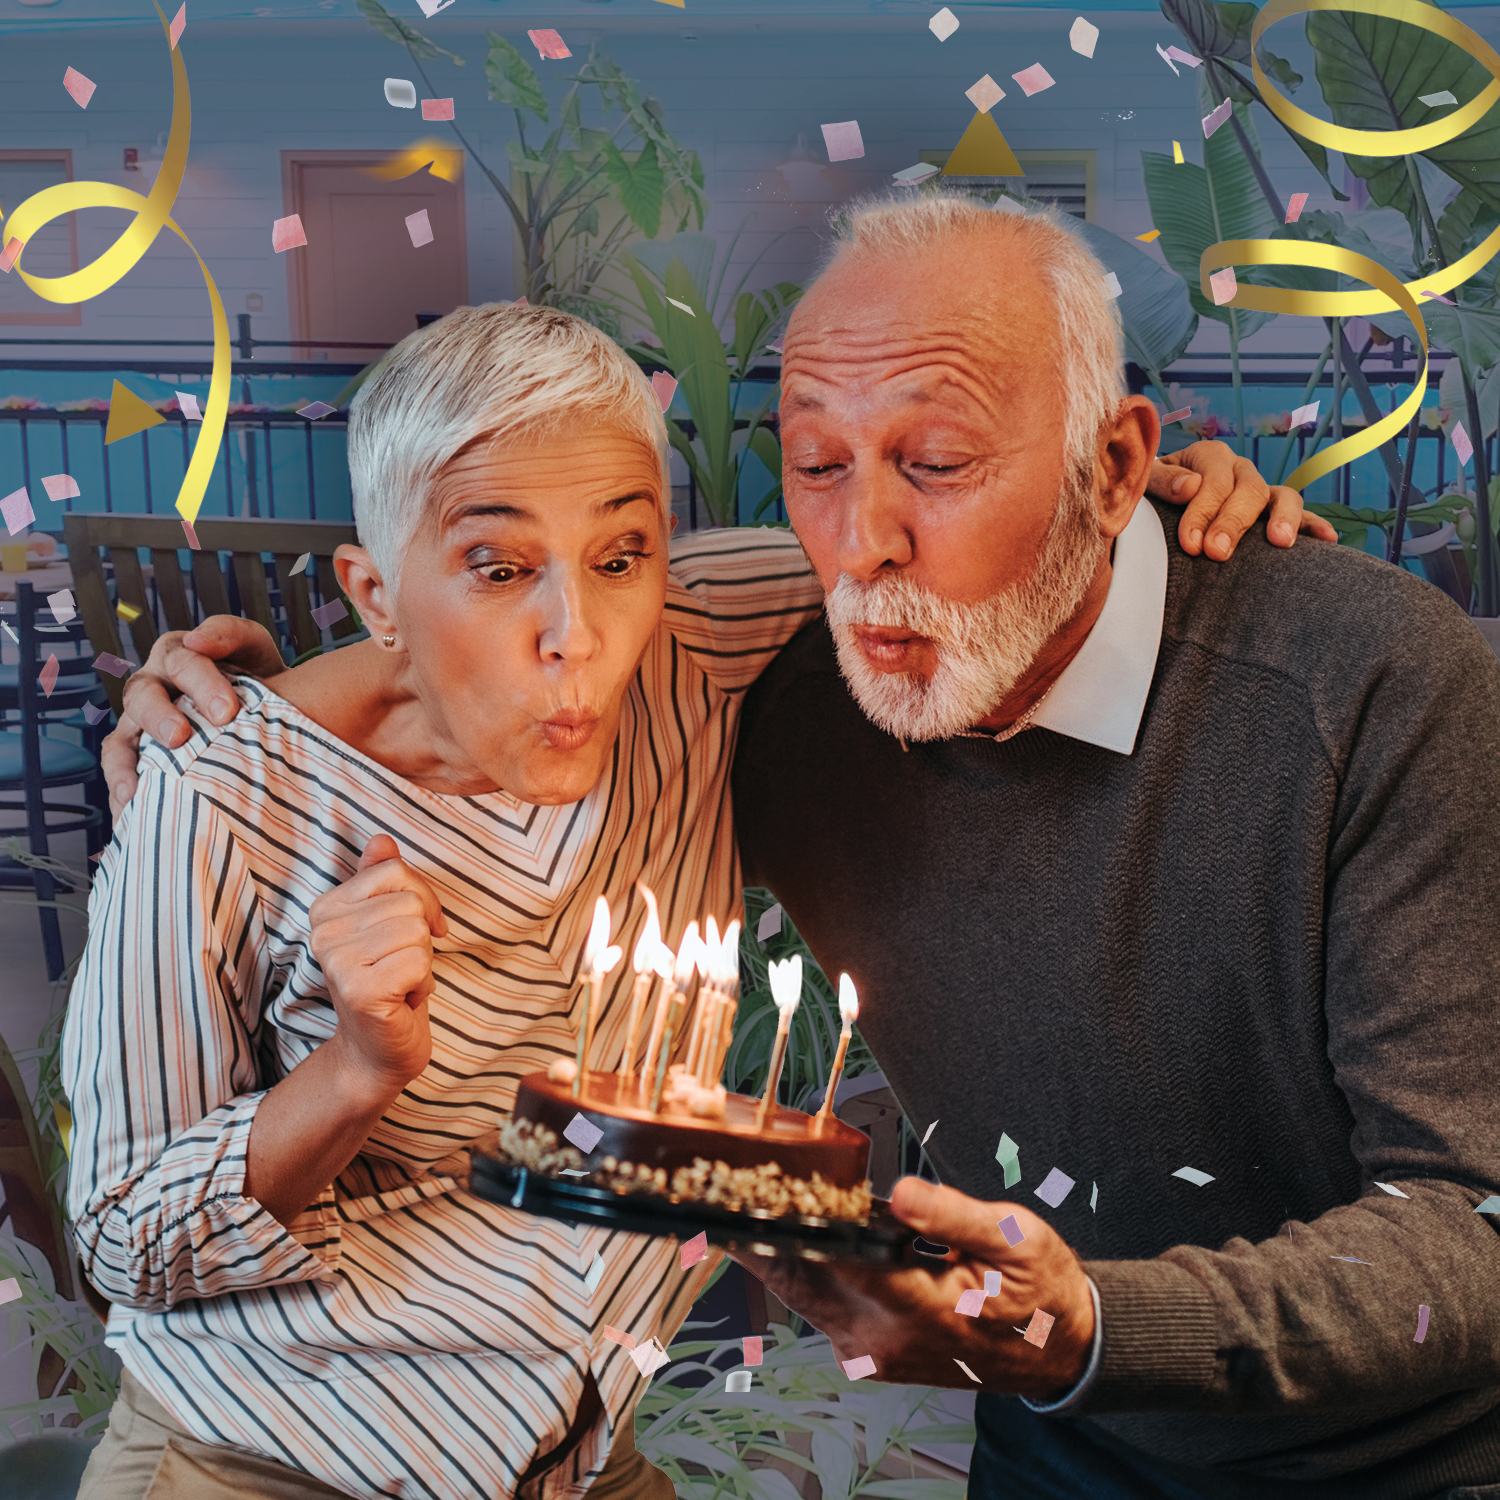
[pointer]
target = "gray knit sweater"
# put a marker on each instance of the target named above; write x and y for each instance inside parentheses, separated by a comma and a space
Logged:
(1264, 945)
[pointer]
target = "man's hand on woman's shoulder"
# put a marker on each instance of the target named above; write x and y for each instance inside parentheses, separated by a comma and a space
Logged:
(184, 663)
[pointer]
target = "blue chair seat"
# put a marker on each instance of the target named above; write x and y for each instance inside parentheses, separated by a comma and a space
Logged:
(59, 759)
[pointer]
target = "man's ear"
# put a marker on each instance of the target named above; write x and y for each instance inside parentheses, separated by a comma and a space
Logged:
(360, 579)
(1127, 450)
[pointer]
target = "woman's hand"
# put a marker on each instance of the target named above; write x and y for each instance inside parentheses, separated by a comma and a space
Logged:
(1225, 495)
(373, 937)
(182, 662)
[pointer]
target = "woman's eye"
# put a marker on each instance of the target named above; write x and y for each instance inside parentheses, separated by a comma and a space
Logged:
(500, 572)
(620, 564)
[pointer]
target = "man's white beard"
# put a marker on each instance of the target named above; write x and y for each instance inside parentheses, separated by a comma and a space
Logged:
(983, 649)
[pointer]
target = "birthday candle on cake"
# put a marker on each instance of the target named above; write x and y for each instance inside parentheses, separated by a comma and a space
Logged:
(729, 992)
(674, 1012)
(651, 957)
(704, 1013)
(786, 991)
(598, 958)
(682, 975)
(849, 1013)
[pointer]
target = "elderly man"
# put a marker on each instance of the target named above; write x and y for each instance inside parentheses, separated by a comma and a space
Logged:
(1177, 879)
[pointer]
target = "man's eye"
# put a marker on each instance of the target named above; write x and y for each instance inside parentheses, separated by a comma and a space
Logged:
(815, 470)
(500, 572)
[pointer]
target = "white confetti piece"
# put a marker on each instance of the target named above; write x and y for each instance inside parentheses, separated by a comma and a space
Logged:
(857, 1369)
(1431, 100)
(985, 94)
(1055, 1186)
(738, 1381)
(187, 404)
(301, 563)
(943, 24)
(583, 1133)
(62, 606)
(1162, 52)
(1305, 416)
(1094, 1198)
(991, 1283)
(910, 176)
(330, 613)
(650, 1357)
(16, 508)
(595, 1274)
(1112, 283)
(10, 1290)
(419, 227)
(769, 924)
(315, 409)
(1395, 1192)
(930, 1129)
(843, 140)
(60, 487)
(683, 306)
(1461, 444)
(1212, 122)
(1184, 57)
(401, 93)
(1193, 1175)
(967, 1371)
(1082, 37)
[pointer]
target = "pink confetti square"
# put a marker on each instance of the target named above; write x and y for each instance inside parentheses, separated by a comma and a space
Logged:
(857, 1369)
(1185, 57)
(624, 1340)
(192, 536)
(1176, 416)
(287, 233)
(437, 109)
(549, 44)
(665, 387)
(581, 1131)
(1212, 122)
(694, 1250)
(81, 88)
(116, 666)
(16, 508)
(1462, 446)
(419, 227)
(1039, 1327)
(62, 606)
(1422, 1312)
(1294, 206)
(1223, 286)
(11, 254)
(60, 486)
(330, 614)
(48, 675)
(179, 21)
(843, 140)
(1436, 297)
(1033, 79)
(985, 94)
(971, 1303)
(754, 1350)
(649, 1358)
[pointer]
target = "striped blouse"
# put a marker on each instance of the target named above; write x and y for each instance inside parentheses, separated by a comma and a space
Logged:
(402, 1337)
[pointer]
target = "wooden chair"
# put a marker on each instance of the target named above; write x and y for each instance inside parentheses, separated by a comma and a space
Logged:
(186, 597)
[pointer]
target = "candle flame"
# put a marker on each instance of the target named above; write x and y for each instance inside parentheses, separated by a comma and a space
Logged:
(687, 954)
(848, 1000)
(786, 983)
(605, 961)
(662, 961)
(598, 938)
(707, 956)
(729, 955)
(646, 949)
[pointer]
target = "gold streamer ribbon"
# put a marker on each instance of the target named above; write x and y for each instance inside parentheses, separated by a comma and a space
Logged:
(152, 213)
(1388, 292)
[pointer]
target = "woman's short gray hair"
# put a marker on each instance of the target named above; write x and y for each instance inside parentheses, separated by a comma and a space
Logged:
(1090, 347)
(506, 372)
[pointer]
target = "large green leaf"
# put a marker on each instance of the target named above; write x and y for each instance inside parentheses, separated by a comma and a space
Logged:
(398, 31)
(1470, 218)
(512, 79)
(639, 185)
(1372, 72)
(1472, 333)
(1379, 234)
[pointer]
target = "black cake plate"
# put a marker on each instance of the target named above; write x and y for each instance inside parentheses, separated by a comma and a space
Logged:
(883, 1239)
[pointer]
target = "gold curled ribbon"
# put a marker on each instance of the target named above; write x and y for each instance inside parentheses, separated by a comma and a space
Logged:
(152, 213)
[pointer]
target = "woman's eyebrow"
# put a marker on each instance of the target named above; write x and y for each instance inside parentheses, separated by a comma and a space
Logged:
(520, 513)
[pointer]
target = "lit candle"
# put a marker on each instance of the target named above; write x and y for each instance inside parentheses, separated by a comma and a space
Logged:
(786, 991)
(849, 1011)
(651, 957)
(705, 1011)
(598, 958)
(682, 974)
(729, 991)
(674, 1011)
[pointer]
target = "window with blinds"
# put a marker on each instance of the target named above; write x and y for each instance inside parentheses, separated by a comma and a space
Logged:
(52, 251)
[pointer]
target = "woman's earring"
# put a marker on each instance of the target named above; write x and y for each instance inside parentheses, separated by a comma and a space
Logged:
(388, 641)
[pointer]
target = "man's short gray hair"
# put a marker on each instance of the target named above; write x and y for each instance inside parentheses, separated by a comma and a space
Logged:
(1090, 348)
(503, 372)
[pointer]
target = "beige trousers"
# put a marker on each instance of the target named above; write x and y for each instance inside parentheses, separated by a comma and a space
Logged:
(147, 1454)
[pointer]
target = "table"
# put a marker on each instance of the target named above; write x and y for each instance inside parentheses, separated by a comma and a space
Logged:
(48, 580)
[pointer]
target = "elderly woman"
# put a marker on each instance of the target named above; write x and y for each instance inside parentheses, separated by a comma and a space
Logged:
(335, 929)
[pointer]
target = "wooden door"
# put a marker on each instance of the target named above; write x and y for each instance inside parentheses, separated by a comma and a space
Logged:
(359, 276)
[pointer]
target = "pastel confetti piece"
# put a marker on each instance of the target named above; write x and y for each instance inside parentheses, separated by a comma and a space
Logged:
(1437, 297)
(754, 1349)
(1193, 1175)
(1055, 1186)
(419, 227)
(60, 487)
(1150, 234)
(693, 1250)
(624, 1340)
(1305, 415)
(301, 563)
(910, 176)
(586, 1135)
(1033, 79)
(314, 410)
(179, 21)
(62, 606)
(857, 1369)
(1223, 285)
(287, 233)
(48, 675)
(10, 1290)
(595, 1274)
(967, 1371)
(665, 386)
(191, 534)
(330, 613)
(1294, 206)
(1112, 283)
(1491, 1205)
(400, 93)
(116, 666)
(943, 24)
(1008, 1154)
(1039, 1327)
(187, 404)
(1422, 1313)
(1395, 1192)
(738, 1381)
(93, 716)
(650, 1357)
(1094, 1198)
(985, 94)
(16, 508)
(437, 109)
(1184, 57)
(1082, 37)
(991, 1283)
(1353, 1260)
(1177, 153)
(572, 1172)
(81, 88)
(1161, 51)
(430, 8)
(1212, 122)
(1461, 444)
(1011, 1230)
(11, 253)
(930, 1129)
(683, 306)
(843, 140)
(1435, 99)
(971, 1303)
(549, 44)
